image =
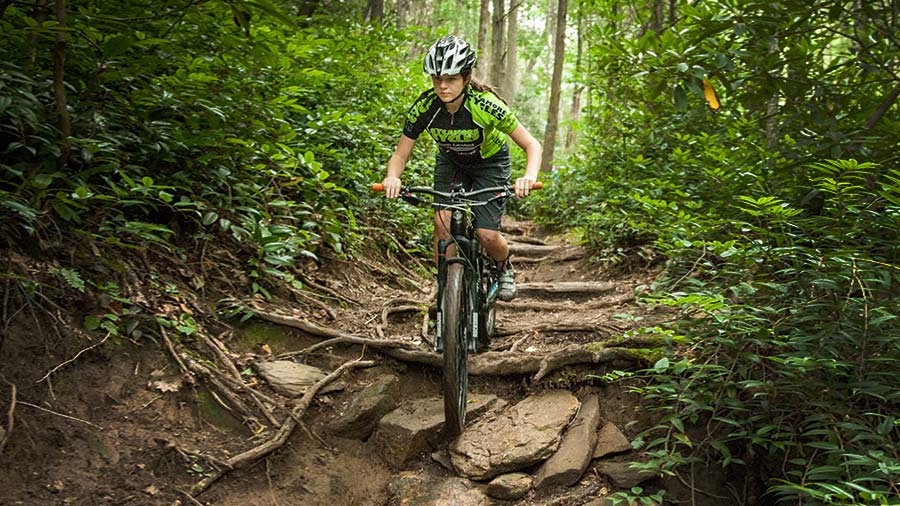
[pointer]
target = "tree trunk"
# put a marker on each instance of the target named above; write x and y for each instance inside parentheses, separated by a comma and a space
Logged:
(375, 11)
(559, 49)
(512, 52)
(575, 111)
(499, 15)
(401, 8)
(483, 20)
(59, 87)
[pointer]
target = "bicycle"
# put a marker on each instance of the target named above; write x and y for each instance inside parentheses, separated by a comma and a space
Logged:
(468, 281)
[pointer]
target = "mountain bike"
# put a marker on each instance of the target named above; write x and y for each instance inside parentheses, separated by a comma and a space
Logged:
(468, 281)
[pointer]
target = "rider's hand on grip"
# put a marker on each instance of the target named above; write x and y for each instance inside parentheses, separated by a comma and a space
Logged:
(390, 186)
(524, 185)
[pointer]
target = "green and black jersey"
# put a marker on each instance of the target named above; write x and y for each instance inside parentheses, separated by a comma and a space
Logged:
(477, 131)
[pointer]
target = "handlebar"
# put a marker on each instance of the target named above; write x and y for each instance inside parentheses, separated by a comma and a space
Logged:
(378, 187)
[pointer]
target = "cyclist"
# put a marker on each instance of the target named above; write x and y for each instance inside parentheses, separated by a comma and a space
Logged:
(470, 124)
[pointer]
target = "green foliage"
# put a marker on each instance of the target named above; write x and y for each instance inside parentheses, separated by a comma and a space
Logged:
(777, 222)
(214, 120)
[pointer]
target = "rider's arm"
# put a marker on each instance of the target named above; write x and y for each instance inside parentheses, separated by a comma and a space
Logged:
(396, 166)
(532, 148)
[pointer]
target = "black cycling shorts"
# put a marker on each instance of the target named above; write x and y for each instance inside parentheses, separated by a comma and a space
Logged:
(474, 176)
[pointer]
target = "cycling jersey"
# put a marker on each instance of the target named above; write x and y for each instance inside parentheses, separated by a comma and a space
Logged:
(477, 131)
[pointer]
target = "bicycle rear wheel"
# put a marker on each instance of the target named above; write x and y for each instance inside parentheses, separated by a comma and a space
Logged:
(487, 302)
(455, 377)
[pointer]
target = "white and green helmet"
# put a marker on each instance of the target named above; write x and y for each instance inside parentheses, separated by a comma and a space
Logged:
(449, 56)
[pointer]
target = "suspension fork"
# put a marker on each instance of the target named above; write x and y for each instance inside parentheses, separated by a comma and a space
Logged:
(462, 237)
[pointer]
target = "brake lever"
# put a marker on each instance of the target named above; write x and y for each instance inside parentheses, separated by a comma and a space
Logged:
(412, 199)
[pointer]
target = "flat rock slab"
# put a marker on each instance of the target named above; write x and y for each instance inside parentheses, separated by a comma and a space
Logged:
(510, 487)
(610, 440)
(367, 407)
(410, 488)
(621, 475)
(419, 424)
(292, 379)
(568, 464)
(514, 438)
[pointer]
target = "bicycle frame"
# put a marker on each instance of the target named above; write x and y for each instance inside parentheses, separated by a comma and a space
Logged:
(466, 294)
(462, 235)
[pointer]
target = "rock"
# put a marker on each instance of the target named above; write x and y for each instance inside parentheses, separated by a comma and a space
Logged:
(603, 501)
(567, 465)
(514, 438)
(510, 487)
(414, 489)
(291, 379)
(442, 457)
(416, 425)
(621, 475)
(610, 441)
(367, 407)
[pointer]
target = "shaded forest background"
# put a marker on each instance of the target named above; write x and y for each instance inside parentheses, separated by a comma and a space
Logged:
(747, 149)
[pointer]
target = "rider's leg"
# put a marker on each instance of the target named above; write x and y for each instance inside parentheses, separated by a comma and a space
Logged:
(498, 249)
(494, 243)
(441, 231)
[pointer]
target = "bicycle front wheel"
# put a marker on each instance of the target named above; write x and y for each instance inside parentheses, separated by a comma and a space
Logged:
(455, 378)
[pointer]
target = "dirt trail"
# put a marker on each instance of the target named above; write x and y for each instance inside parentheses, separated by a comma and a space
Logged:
(539, 322)
(126, 428)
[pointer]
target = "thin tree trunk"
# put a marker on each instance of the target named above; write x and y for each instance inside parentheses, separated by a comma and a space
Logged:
(375, 11)
(496, 73)
(59, 88)
(512, 52)
(575, 111)
(884, 107)
(772, 103)
(559, 49)
(402, 7)
(483, 23)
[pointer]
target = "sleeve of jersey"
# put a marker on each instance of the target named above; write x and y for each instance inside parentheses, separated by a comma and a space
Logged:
(505, 119)
(416, 117)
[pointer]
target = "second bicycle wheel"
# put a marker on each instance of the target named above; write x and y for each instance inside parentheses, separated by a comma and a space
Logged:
(455, 378)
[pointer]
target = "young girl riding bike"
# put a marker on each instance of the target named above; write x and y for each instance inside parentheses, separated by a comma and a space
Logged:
(470, 124)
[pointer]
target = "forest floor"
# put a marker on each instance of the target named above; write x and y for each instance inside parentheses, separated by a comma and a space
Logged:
(120, 424)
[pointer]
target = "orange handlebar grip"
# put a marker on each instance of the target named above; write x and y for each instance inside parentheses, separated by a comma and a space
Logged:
(537, 185)
(377, 187)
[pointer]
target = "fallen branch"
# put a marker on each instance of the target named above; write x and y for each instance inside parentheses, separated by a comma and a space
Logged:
(30, 405)
(60, 366)
(280, 438)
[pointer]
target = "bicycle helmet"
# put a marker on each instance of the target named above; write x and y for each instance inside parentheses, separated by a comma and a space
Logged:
(449, 56)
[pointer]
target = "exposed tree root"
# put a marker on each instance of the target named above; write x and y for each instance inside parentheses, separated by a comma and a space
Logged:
(519, 249)
(5, 433)
(495, 363)
(567, 287)
(558, 328)
(280, 438)
(573, 255)
(334, 293)
(565, 306)
(526, 240)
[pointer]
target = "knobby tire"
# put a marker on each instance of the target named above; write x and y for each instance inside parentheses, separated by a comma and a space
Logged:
(455, 378)
(487, 309)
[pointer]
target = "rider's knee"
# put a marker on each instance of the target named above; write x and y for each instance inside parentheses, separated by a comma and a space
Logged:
(487, 236)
